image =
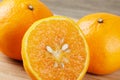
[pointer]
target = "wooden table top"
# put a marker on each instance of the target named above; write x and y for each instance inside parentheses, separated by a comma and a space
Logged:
(13, 70)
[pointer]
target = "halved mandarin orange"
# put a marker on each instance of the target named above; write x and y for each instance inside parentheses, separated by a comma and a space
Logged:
(55, 49)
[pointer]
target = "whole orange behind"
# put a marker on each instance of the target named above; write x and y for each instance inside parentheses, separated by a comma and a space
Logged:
(15, 18)
(102, 31)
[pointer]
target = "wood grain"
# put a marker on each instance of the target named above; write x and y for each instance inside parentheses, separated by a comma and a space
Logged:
(13, 70)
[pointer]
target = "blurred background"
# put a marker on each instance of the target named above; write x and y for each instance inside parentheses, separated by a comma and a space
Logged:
(80, 8)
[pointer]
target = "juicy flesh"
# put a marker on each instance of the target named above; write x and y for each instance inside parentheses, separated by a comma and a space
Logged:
(56, 51)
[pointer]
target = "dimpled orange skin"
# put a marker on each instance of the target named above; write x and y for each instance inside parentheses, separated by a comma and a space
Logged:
(102, 31)
(15, 18)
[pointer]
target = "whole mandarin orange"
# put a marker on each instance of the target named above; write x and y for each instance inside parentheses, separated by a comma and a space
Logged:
(15, 18)
(102, 31)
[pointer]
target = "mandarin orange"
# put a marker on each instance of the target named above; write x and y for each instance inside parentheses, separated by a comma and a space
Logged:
(55, 49)
(102, 31)
(15, 18)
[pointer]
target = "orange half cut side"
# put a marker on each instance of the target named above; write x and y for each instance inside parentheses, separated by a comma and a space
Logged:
(55, 49)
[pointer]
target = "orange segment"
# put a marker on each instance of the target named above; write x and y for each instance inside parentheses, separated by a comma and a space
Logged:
(55, 49)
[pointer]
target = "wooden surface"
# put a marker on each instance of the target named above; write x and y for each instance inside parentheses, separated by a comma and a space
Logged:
(13, 70)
